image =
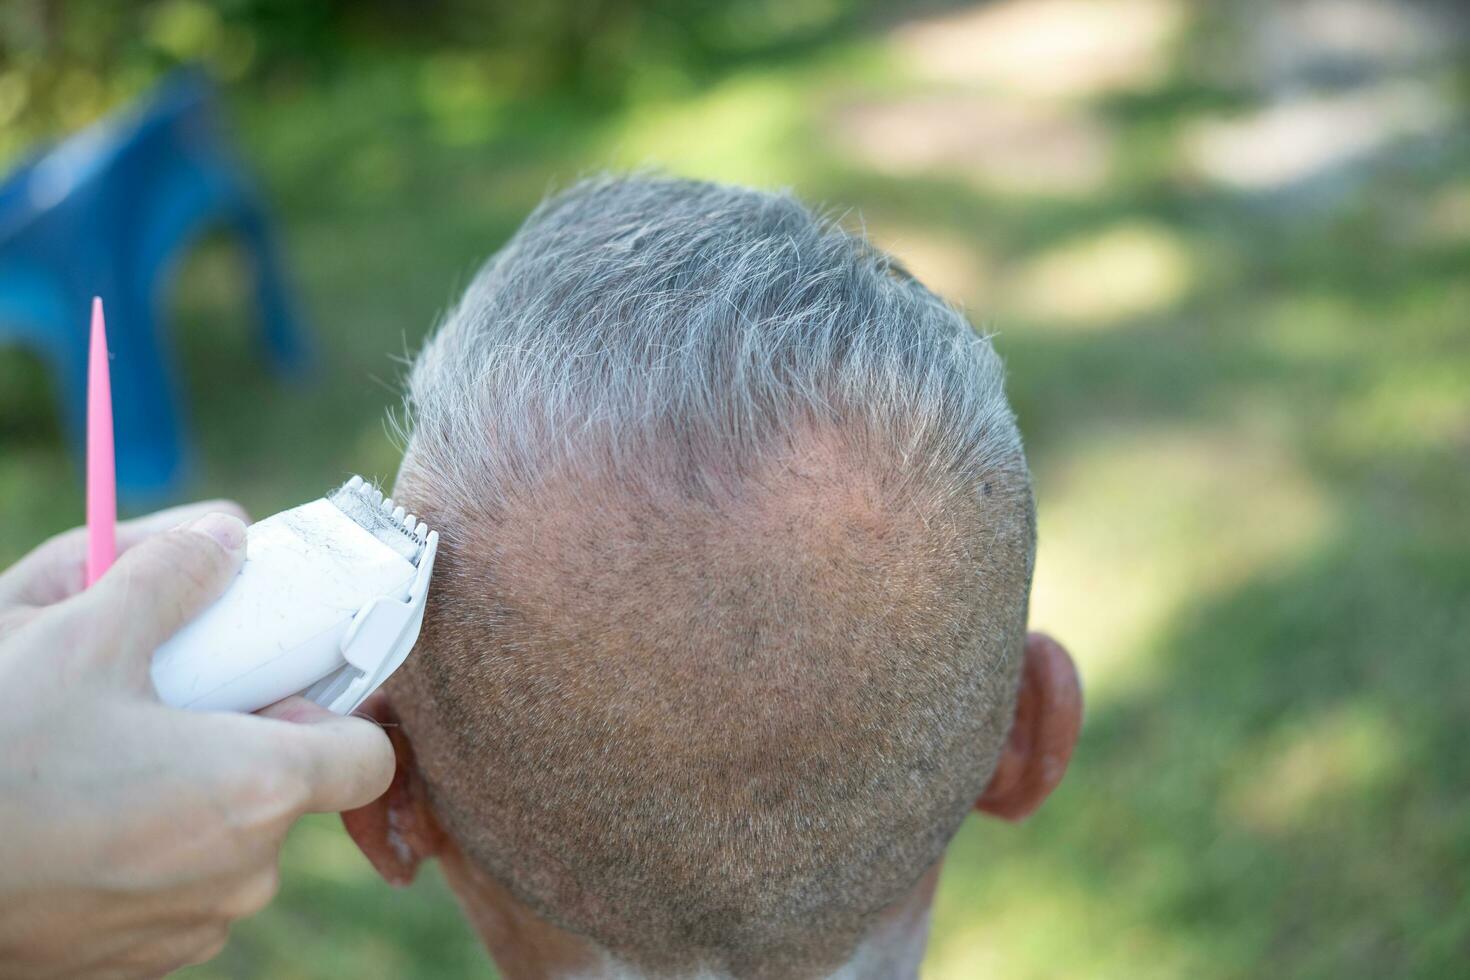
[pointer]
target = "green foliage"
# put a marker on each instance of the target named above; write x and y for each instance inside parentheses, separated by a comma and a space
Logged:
(64, 64)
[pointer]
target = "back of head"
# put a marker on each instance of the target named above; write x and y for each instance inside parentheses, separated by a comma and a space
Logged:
(736, 542)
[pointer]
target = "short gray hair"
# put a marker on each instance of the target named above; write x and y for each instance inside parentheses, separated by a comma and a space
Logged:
(736, 541)
(626, 306)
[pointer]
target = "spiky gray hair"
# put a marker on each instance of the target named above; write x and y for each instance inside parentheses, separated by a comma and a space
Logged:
(736, 541)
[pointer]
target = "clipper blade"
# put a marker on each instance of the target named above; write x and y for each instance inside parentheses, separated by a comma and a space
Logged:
(377, 514)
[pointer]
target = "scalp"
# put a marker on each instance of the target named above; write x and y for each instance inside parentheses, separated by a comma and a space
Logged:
(679, 723)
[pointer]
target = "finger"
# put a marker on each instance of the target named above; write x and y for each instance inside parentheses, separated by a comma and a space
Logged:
(159, 585)
(56, 570)
(15, 618)
(186, 948)
(296, 710)
(140, 529)
(152, 952)
(346, 762)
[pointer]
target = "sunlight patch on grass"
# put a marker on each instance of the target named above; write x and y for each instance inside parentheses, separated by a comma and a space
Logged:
(1298, 138)
(1417, 394)
(1017, 917)
(1293, 39)
(1128, 270)
(740, 131)
(1448, 215)
(951, 265)
(1309, 327)
(1426, 406)
(1135, 524)
(1067, 48)
(1327, 760)
(995, 144)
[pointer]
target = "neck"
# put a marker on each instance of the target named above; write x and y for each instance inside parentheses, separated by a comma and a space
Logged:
(527, 947)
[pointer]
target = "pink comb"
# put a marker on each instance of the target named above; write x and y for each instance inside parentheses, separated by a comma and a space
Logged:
(101, 471)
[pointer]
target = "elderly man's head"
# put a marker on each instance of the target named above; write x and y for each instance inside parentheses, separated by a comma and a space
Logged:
(727, 627)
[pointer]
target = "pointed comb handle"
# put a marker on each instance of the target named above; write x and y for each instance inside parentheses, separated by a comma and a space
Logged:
(101, 465)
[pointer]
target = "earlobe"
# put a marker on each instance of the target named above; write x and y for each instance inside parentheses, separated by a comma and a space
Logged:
(1047, 723)
(397, 830)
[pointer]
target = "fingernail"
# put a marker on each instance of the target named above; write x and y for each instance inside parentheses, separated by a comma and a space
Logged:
(227, 530)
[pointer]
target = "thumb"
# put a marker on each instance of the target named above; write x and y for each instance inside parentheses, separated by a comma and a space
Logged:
(345, 762)
(160, 584)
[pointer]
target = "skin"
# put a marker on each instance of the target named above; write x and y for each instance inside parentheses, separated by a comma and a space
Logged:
(135, 833)
(400, 829)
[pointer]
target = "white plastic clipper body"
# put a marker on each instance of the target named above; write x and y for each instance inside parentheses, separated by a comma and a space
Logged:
(326, 605)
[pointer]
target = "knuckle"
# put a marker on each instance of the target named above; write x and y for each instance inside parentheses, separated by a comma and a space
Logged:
(14, 620)
(65, 538)
(153, 559)
(151, 960)
(163, 954)
(207, 943)
(60, 546)
(61, 628)
(194, 557)
(253, 895)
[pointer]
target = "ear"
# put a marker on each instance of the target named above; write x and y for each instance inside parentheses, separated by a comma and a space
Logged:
(1048, 720)
(398, 829)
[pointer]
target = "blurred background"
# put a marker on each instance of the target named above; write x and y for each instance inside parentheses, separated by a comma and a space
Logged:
(1225, 252)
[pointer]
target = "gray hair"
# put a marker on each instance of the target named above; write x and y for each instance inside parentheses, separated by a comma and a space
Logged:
(638, 312)
(700, 698)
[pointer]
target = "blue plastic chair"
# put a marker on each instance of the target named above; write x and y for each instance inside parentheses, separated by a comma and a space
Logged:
(109, 212)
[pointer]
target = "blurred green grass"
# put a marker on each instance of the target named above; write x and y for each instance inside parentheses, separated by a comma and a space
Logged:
(1246, 401)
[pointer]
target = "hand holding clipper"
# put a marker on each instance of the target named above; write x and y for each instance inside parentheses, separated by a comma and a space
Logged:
(327, 605)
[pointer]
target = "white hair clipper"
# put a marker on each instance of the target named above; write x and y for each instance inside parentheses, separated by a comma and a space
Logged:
(327, 605)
